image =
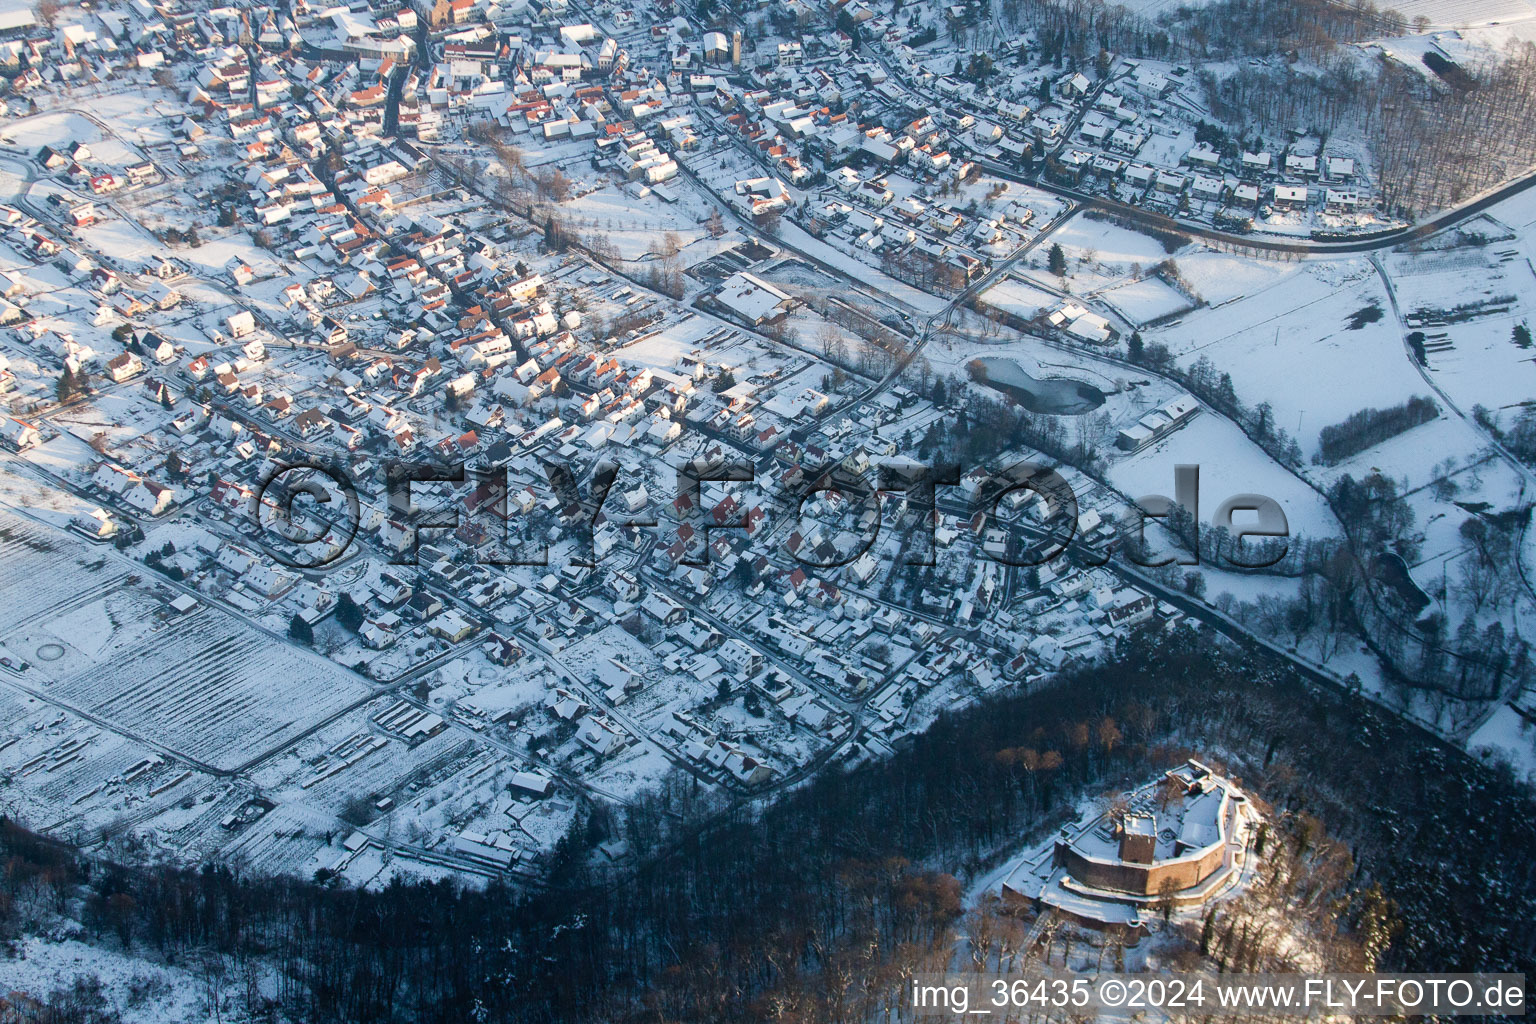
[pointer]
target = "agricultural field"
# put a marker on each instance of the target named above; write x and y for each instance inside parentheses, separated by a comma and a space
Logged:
(93, 642)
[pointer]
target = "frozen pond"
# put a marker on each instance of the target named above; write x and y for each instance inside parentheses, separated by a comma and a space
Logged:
(1055, 396)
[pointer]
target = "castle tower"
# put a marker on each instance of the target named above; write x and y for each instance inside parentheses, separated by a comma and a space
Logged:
(1138, 838)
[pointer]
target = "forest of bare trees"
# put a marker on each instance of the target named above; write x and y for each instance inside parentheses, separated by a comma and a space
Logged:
(1077, 30)
(1438, 142)
(1367, 427)
(1442, 150)
(1442, 132)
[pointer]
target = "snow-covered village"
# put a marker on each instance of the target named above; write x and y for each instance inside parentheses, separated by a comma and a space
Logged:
(461, 441)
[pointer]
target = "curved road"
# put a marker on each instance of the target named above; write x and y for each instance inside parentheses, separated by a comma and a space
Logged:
(1384, 240)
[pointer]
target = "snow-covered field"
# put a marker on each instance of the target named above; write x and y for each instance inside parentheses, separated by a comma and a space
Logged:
(1019, 297)
(1302, 319)
(1145, 300)
(1153, 8)
(638, 227)
(1465, 12)
(1098, 255)
(1229, 465)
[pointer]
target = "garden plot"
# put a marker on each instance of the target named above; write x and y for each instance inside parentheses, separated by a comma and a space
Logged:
(592, 661)
(191, 823)
(217, 252)
(769, 737)
(290, 839)
(129, 244)
(503, 691)
(544, 822)
(466, 787)
(486, 803)
(633, 771)
(37, 280)
(212, 688)
(123, 414)
(1166, 148)
(44, 503)
(1476, 362)
(204, 684)
(1447, 278)
(36, 380)
(999, 195)
(184, 330)
(344, 761)
(146, 115)
(71, 775)
(40, 578)
(373, 868)
(159, 207)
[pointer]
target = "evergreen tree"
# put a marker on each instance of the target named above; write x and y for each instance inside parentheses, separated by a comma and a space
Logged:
(1058, 260)
(348, 613)
(300, 630)
(68, 385)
